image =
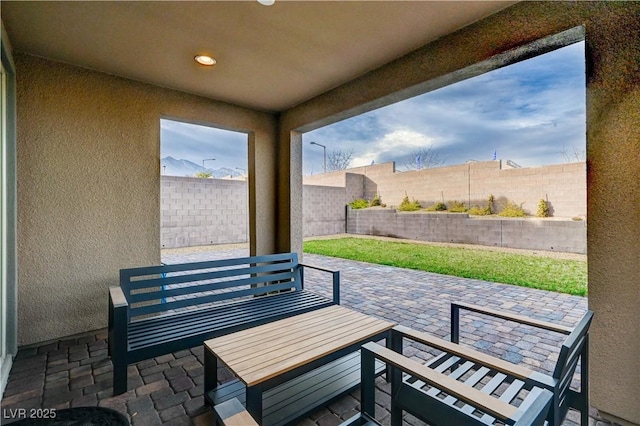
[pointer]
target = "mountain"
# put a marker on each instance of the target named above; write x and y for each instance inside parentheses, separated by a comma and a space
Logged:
(169, 166)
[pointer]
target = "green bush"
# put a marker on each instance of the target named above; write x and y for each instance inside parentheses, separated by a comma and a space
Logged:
(543, 208)
(480, 211)
(437, 207)
(376, 201)
(512, 210)
(476, 210)
(359, 204)
(409, 206)
(457, 207)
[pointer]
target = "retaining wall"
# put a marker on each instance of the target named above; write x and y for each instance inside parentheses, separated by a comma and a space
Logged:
(531, 233)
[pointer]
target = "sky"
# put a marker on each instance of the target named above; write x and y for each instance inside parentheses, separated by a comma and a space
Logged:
(532, 112)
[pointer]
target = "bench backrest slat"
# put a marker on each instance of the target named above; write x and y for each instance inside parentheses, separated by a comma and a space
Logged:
(182, 303)
(206, 282)
(126, 275)
(198, 290)
(216, 274)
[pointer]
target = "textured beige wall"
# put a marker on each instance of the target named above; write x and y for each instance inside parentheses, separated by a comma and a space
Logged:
(613, 209)
(89, 186)
(613, 149)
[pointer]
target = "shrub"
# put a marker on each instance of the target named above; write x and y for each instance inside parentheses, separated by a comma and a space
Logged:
(479, 211)
(476, 210)
(576, 218)
(359, 204)
(437, 207)
(376, 201)
(409, 206)
(512, 210)
(543, 208)
(203, 175)
(490, 204)
(457, 207)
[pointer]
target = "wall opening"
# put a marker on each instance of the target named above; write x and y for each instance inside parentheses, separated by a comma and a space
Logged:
(204, 192)
(517, 132)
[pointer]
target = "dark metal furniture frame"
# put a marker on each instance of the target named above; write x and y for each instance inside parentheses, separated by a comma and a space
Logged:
(447, 401)
(162, 309)
(574, 351)
(287, 398)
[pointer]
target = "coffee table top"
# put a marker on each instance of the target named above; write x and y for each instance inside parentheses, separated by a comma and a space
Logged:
(266, 351)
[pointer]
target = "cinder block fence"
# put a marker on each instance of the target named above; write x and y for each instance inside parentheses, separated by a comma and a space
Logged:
(215, 211)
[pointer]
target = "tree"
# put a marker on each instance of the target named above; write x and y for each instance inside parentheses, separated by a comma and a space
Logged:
(424, 158)
(577, 155)
(339, 159)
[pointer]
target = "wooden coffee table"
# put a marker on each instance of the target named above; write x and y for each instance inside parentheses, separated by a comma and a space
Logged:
(289, 367)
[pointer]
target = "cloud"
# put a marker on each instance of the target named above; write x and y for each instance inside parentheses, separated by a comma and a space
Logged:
(526, 112)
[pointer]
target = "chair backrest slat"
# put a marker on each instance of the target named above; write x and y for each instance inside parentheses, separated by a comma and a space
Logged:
(572, 347)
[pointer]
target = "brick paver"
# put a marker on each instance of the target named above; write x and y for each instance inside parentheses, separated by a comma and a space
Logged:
(168, 390)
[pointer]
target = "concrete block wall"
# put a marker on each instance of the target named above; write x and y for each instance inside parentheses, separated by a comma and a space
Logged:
(562, 185)
(198, 211)
(531, 233)
(323, 210)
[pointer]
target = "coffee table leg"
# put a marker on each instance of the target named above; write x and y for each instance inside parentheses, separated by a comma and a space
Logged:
(210, 370)
(254, 402)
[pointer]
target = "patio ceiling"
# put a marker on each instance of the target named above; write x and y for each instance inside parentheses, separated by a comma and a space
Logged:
(269, 58)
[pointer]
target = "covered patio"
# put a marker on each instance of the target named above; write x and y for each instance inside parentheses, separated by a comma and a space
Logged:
(75, 371)
(85, 84)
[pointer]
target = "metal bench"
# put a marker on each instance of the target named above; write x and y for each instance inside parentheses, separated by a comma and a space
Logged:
(162, 309)
(574, 350)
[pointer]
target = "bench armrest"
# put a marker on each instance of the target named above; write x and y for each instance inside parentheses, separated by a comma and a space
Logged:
(336, 279)
(455, 319)
(117, 298)
(399, 332)
(118, 321)
(233, 413)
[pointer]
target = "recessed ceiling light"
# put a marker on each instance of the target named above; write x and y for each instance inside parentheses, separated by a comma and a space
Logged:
(205, 60)
(266, 2)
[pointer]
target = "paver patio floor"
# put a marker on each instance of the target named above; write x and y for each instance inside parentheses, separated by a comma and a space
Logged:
(168, 390)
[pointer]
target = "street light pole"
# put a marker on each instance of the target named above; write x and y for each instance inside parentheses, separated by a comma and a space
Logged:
(325, 154)
(206, 159)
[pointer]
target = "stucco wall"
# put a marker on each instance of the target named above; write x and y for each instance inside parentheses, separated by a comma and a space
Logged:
(89, 186)
(612, 33)
(564, 186)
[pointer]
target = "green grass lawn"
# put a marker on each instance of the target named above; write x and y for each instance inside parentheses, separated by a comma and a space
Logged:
(564, 276)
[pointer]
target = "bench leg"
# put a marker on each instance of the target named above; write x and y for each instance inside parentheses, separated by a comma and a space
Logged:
(118, 345)
(210, 370)
(119, 375)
